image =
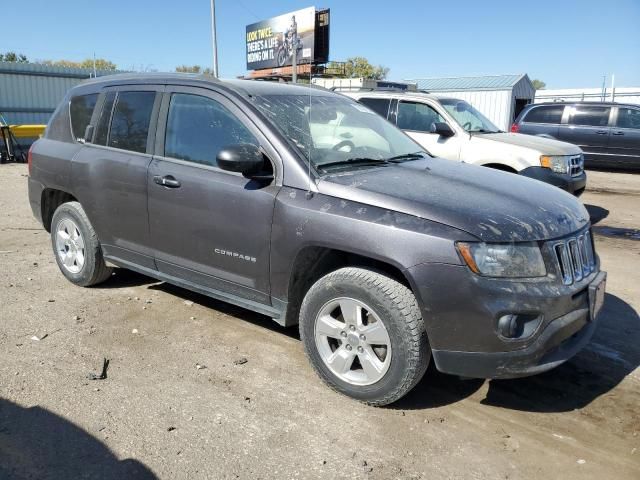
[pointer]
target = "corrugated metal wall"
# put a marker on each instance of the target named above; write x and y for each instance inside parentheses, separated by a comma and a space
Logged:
(29, 93)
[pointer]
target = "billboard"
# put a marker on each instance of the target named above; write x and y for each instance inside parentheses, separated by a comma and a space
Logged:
(271, 43)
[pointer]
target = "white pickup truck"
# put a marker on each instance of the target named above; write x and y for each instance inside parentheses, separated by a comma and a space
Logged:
(451, 128)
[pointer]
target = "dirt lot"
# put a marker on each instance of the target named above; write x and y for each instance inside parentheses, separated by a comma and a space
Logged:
(158, 415)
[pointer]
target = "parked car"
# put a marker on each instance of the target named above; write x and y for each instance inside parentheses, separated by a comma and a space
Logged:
(608, 133)
(306, 206)
(451, 128)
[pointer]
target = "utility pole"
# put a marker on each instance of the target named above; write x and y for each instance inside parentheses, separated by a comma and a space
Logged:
(214, 44)
(613, 87)
(95, 74)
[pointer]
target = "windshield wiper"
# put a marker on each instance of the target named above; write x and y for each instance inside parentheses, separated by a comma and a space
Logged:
(360, 161)
(406, 156)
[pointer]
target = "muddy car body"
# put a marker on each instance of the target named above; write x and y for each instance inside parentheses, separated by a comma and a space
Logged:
(309, 208)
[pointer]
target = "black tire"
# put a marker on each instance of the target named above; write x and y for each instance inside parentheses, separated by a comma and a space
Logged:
(94, 270)
(396, 306)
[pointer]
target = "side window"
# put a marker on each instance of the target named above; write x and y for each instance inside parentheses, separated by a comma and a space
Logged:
(81, 109)
(199, 127)
(546, 114)
(628, 118)
(417, 116)
(592, 116)
(378, 105)
(130, 121)
(102, 129)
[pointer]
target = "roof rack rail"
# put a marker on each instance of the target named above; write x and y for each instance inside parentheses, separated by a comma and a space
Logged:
(338, 88)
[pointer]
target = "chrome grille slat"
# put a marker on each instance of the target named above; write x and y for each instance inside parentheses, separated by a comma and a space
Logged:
(575, 258)
(576, 165)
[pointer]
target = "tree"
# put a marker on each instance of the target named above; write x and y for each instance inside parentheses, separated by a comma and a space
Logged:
(538, 84)
(193, 69)
(100, 64)
(13, 57)
(356, 67)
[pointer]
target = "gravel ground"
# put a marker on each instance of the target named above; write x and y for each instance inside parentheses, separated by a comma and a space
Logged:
(199, 389)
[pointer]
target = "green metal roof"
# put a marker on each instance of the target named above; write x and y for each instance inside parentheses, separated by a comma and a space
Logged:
(492, 82)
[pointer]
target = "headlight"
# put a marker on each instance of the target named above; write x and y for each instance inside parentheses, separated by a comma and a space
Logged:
(514, 260)
(557, 163)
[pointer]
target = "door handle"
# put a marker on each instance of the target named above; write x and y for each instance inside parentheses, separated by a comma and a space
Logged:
(167, 181)
(601, 132)
(618, 133)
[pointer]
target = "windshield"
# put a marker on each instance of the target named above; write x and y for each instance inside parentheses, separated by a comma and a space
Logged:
(468, 117)
(336, 132)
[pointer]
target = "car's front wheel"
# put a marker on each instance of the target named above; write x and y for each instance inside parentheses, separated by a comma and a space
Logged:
(76, 246)
(364, 335)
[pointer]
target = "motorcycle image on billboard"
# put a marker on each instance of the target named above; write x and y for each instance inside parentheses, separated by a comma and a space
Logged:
(271, 43)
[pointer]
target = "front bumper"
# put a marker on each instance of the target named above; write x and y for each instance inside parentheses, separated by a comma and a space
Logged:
(574, 185)
(461, 312)
(560, 341)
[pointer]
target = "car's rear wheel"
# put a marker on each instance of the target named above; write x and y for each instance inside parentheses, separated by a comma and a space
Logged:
(76, 246)
(364, 335)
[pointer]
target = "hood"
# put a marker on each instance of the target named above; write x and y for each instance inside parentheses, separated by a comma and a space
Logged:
(492, 205)
(542, 145)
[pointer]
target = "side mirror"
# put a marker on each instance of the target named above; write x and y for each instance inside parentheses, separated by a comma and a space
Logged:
(243, 157)
(442, 129)
(88, 134)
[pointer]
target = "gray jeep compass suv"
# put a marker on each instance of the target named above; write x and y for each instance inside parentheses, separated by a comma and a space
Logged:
(306, 206)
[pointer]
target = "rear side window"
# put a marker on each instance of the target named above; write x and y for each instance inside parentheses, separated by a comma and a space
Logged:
(546, 114)
(102, 129)
(417, 116)
(378, 105)
(628, 118)
(130, 121)
(81, 109)
(199, 127)
(587, 115)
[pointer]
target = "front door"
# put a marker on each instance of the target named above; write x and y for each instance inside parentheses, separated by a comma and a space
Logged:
(587, 126)
(415, 118)
(208, 226)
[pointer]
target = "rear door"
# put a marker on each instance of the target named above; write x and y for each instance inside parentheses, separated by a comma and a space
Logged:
(110, 172)
(588, 127)
(208, 226)
(415, 118)
(624, 141)
(379, 105)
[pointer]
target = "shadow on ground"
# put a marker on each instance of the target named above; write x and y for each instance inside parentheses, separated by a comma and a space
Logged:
(612, 354)
(596, 213)
(36, 443)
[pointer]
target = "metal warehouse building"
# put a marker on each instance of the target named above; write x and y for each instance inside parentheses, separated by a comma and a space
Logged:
(499, 97)
(30, 92)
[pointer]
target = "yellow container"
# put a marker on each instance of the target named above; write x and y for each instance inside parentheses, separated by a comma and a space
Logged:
(27, 131)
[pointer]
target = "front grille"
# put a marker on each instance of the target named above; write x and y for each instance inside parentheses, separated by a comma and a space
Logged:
(576, 257)
(576, 165)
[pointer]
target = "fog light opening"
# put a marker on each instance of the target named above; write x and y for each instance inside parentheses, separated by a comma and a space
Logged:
(517, 326)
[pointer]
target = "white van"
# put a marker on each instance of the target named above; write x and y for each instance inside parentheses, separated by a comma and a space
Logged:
(451, 128)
